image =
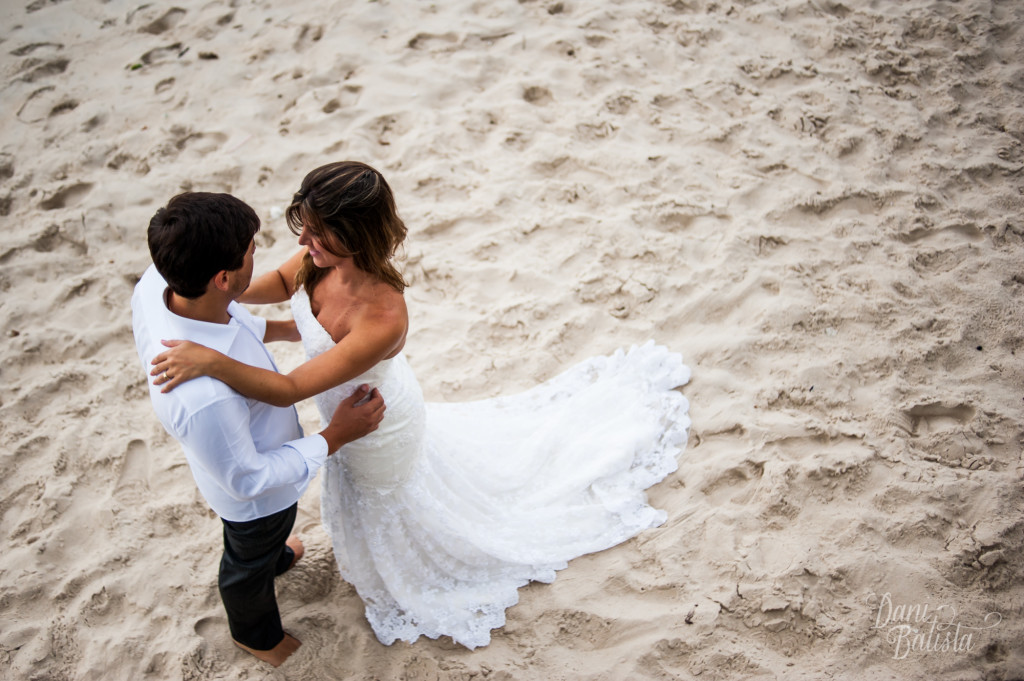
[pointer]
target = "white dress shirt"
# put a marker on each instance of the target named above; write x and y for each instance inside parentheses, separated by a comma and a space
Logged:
(249, 459)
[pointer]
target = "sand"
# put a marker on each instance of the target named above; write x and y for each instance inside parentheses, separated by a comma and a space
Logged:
(819, 204)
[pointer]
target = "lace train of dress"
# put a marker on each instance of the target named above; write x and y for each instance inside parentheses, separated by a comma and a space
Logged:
(439, 516)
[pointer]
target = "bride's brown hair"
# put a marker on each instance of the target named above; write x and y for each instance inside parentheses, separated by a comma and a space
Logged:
(349, 208)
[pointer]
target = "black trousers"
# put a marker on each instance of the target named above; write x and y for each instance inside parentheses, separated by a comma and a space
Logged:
(255, 553)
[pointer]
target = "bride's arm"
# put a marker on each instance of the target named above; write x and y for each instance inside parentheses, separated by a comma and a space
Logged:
(282, 330)
(370, 342)
(275, 286)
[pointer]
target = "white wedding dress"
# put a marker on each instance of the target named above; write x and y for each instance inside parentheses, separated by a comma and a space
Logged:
(439, 516)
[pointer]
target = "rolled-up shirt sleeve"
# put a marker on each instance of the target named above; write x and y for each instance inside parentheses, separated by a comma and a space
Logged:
(220, 440)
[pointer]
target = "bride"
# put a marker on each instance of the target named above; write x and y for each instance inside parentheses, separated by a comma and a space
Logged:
(439, 516)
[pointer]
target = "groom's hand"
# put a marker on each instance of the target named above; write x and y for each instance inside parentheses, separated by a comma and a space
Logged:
(357, 415)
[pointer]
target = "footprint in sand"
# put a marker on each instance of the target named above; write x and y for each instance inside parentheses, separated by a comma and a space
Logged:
(966, 230)
(855, 201)
(940, 434)
(28, 49)
(37, 5)
(537, 95)
(201, 659)
(518, 140)
(159, 55)
(163, 86)
(213, 629)
(736, 484)
(36, 71)
(133, 483)
(32, 447)
(620, 104)
(928, 261)
(64, 107)
(388, 128)
(182, 137)
(38, 105)
(139, 165)
(66, 197)
(169, 20)
(581, 629)
(433, 41)
(315, 576)
(924, 419)
(592, 132)
(333, 97)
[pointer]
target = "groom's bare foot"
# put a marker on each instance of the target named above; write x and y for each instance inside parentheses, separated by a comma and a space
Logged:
(276, 655)
(295, 544)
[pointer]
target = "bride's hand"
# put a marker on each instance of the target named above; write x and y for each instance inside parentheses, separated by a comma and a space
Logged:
(184, 361)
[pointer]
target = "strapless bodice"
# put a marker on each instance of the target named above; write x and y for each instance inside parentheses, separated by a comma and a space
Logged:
(384, 458)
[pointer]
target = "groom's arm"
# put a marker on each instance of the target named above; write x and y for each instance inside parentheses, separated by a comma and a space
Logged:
(281, 331)
(219, 436)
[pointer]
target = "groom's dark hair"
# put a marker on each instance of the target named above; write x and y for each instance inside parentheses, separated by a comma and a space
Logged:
(198, 234)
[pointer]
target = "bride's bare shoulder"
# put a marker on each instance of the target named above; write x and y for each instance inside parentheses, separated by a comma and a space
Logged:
(389, 314)
(387, 304)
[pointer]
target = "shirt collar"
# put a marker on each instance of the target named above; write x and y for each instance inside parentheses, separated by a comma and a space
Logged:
(170, 326)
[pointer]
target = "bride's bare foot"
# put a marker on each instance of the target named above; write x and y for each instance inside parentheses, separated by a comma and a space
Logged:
(276, 655)
(295, 544)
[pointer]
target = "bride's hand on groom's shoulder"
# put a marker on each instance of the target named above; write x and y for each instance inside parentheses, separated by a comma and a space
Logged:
(184, 361)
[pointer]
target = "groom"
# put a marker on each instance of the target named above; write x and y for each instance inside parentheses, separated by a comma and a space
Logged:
(249, 459)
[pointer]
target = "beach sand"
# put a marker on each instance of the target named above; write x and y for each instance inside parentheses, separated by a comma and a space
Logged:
(819, 204)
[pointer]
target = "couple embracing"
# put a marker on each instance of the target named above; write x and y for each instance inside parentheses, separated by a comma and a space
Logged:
(437, 513)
